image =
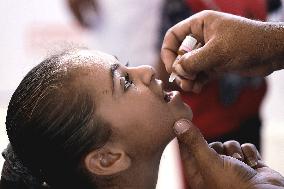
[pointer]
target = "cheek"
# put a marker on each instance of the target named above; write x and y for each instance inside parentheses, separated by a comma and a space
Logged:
(151, 107)
(148, 129)
(141, 121)
(184, 112)
(155, 116)
(145, 111)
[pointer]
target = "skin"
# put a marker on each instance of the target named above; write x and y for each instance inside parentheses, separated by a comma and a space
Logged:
(146, 93)
(142, 138)
(232, 44)
(140, 118)
(79, 8)
(205, 167)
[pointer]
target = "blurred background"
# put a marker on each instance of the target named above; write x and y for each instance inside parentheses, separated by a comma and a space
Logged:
(33, 29)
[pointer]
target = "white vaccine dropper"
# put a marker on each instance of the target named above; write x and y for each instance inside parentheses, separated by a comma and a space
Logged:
(188, 44)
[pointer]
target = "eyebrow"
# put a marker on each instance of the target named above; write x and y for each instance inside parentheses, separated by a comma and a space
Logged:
(113, 68)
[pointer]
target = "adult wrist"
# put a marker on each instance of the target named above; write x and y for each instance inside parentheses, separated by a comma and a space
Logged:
(274, 44)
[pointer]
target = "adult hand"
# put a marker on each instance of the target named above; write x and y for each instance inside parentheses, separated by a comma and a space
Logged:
(246, 153)
(83, 10)
(232, 44)
(205, 168)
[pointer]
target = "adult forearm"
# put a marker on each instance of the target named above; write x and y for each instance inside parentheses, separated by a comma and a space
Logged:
(274, 44)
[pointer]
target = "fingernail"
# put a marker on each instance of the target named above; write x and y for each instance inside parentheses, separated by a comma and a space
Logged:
(252, 162)
(181, 126)
(237, 156)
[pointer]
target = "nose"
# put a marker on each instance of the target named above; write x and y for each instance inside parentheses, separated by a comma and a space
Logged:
(144, 74)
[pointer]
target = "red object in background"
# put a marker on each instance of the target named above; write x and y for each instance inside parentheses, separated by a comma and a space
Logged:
(255, 9)
(210, 115)
(215, 119)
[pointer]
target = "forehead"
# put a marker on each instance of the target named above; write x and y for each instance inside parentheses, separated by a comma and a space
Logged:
(91, 58)
(94, 71)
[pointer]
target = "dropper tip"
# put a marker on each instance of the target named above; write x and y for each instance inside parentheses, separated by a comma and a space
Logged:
(172, 77)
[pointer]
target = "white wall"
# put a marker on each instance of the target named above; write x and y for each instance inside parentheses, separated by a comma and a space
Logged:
(273, 114)
(30, 27)
(273, 121)
(16, 17)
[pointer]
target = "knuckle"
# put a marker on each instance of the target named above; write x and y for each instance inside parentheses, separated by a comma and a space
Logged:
(214, 144)
(169, 32)
(206, 13)
(232, 143)
(217, 146)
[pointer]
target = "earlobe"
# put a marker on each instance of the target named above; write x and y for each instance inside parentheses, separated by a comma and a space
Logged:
(107, 161)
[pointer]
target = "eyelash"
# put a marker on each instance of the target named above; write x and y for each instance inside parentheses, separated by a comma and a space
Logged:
(127, 82)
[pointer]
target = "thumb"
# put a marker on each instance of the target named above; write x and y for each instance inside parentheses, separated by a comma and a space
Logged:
(191, 139)
(201, 59)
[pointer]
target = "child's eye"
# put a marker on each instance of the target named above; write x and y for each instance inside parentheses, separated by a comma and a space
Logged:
(127, 82)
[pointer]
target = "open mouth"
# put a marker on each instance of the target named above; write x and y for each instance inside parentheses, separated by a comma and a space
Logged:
(168, 96)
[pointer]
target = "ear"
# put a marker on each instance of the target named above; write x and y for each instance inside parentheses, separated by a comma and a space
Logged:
(107, 161)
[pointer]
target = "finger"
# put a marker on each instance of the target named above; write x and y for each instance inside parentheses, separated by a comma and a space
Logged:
(168, 56)
(218, 147)
(206, 158)
(201, 79)
(178, 81)
(177, 68)
(205, 58)
(250, 154)
(189, 165)
(195, 85)
(186, 85)
(176, 34)
(181, 70)
(233, 148)
(260, 164)
(169, 48)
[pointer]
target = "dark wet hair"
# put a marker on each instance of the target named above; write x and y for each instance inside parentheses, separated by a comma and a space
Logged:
(51, 124)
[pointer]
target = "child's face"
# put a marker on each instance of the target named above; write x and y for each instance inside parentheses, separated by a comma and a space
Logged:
(132, 100)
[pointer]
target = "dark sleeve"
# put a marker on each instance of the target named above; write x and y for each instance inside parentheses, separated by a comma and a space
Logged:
(4, 184)
(273, 5)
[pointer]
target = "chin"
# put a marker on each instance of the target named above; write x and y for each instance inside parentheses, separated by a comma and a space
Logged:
(183, 113)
